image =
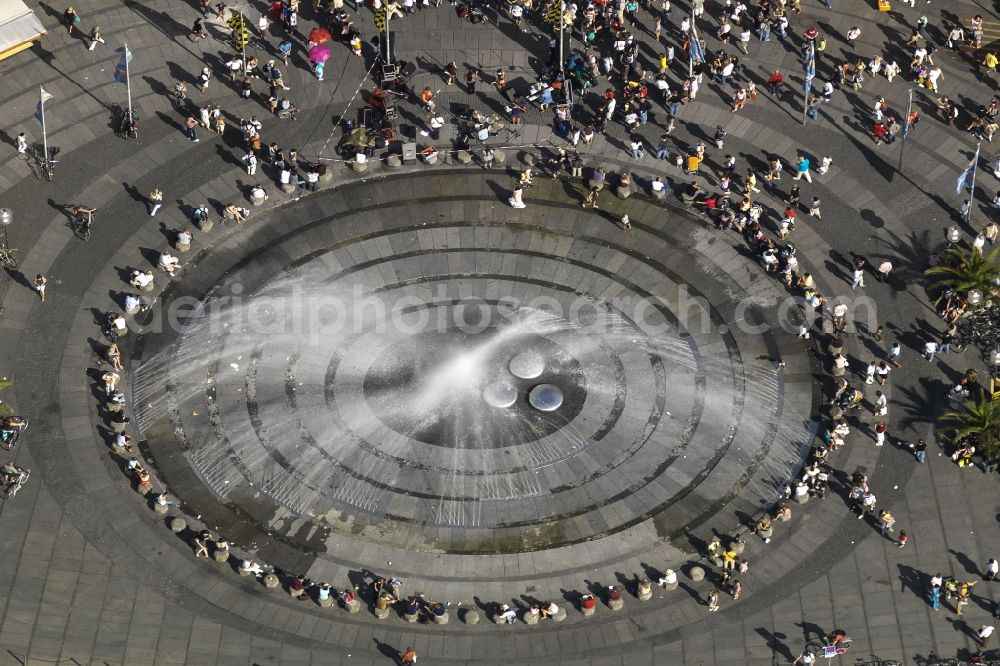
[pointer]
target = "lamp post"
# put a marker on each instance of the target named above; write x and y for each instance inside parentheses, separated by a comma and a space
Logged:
(953, 235)
(6, 218)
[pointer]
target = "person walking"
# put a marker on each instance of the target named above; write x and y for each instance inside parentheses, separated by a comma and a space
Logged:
(409, 657)
(515, 199)
(984, 635)
(880, 429)
(935, 596)
(903, 538)
(39, 285)
(814, 210)
(155, 201)
(887, 522)
(71, 19)
(191, 128)
(992, 569)
(95, 37)
(802, 166)
(713, 600)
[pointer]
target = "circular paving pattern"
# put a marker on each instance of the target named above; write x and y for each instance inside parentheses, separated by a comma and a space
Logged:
(464, 386)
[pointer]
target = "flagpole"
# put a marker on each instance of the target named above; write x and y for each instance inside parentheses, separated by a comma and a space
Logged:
(972, 197)
(691, 33)
(906, 129)
(562, 11)
(807, 84)
(243, 42)
(128, 85)
(45, 140)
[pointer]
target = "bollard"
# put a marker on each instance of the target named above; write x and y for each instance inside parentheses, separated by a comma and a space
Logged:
(326, 603)
(257, 200)
(245, 572)
(271, 581)
(177, 525)
(221, 556)
(183, 247)
(144, 488)
(160, 508)
(588, 610)
(289, 188)
(499, 157)
(148, 288)
(114, 407)
(643, 589)
(394, 161)
(498, 620)
(359, 167)
(697, 573)
(836, 413)
(616, 604)
(382, 613)
(411, 617)
(591, 184)
(470, 616)
(440, 619)
(801, 499)
(738, 546)
(353, 606)
(531, 618)
(431, 159)
(623, 192)
(560, 614)
(206, 225)
(325, 175)
(463, 157)
(528, 159)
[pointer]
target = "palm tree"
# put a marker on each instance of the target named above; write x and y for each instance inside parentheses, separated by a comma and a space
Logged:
(980, 417)
(962, 271)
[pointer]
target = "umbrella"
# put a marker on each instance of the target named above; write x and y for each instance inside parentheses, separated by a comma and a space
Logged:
(319, 53)
(319, 35)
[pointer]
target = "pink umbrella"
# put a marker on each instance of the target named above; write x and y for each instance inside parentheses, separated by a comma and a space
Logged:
(319, 53)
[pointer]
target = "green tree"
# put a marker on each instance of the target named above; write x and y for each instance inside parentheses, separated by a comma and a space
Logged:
(964, 270)
(981, 417)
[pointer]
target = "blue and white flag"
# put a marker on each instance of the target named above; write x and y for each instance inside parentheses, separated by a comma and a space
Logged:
(968, 177)
(695, 52)
(809, 67)
(121, 71)
(43, 97)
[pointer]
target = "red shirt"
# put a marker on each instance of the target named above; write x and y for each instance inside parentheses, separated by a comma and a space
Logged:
(880, 130)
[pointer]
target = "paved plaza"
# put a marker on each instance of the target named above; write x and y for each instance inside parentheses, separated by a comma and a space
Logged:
(325, 442)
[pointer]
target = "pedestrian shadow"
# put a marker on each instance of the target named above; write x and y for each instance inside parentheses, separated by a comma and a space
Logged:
(912, 580)
(967, 563)
(809, 629)
(387, 650)
(962, 627)
(774, 642)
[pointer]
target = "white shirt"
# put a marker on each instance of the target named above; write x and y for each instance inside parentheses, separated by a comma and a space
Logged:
(142, 279)
(986, 631)
(658, 185)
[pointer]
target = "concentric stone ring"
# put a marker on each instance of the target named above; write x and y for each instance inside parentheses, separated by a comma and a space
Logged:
(329, 386)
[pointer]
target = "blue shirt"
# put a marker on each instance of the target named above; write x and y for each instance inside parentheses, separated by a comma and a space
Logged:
(804, 165)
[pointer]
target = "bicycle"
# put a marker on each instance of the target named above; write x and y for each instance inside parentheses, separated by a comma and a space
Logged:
(129, 127)
(17, 484)
(47, 163)
(83, 222)
(8, 258)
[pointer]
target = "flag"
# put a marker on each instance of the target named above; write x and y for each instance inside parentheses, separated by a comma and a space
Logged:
(121, 70)
(968, 177)
(809, 67)
(695, 52)
(43, 97)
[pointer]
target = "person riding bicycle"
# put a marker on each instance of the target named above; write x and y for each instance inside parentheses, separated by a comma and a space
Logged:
(11, 425)
(9, 474)
(838, 637)
(84, 216)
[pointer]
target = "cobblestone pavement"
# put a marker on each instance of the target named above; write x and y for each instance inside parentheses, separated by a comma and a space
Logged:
(91, 575)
